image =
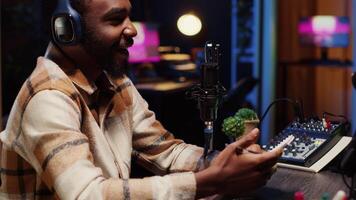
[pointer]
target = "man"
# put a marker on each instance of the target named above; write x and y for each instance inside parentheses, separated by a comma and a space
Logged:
(78, 121)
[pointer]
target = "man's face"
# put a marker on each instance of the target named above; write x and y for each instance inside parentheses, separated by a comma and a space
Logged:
(108, 33)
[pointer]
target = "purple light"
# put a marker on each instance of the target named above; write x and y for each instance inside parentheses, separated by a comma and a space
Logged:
(323, 24)
(324, 31)
(145, 48)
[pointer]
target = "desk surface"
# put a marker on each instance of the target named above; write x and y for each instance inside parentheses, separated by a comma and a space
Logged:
(285, 182)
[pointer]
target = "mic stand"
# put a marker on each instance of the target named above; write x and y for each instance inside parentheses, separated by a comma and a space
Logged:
(209, 99)
(208, 137)
(208, 102)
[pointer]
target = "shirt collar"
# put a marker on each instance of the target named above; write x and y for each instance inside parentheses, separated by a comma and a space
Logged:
(76, 74)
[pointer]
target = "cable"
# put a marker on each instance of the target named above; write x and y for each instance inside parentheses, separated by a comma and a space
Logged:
(346, 122)
(346, 183)
(297, 107)
(352, 190)
(334, 115)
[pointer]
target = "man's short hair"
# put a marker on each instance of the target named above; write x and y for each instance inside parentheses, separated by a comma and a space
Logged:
(79, 5)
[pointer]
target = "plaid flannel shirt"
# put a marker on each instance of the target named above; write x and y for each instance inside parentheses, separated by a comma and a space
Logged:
(69, 138)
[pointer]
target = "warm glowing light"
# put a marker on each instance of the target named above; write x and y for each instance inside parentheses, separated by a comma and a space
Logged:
(189, 24)
(324, 24)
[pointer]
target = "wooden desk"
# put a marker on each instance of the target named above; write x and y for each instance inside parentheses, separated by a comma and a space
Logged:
(285, 182)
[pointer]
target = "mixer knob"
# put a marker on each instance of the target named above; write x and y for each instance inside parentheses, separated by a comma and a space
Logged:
(297, 139)
(294, 152)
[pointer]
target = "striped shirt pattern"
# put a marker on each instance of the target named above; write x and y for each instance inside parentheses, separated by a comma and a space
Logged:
(69, 138)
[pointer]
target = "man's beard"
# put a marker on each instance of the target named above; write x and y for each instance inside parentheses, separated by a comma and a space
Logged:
(105, 55)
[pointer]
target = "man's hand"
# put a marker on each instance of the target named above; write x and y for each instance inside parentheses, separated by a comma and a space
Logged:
(234, 172)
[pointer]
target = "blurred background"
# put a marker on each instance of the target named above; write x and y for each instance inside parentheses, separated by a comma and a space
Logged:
(300, 49)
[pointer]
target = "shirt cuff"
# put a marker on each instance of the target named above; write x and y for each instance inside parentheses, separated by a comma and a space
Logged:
(173, 186)
(205, 163)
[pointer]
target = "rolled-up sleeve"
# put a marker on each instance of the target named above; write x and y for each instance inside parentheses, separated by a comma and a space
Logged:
(157, 150)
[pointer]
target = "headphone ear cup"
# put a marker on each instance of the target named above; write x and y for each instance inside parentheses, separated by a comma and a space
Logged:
(66, 24)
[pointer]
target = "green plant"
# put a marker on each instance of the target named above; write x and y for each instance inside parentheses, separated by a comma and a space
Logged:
(234, 126)
(246, 114)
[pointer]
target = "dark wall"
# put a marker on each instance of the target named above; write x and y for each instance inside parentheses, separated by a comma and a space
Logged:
(22, 41)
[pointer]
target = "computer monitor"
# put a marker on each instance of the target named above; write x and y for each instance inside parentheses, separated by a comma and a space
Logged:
(324, 31)
(146, 43)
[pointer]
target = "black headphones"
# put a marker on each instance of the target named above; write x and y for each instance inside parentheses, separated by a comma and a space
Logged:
(66, 24)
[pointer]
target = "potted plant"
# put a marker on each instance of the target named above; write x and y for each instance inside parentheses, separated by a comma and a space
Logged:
(241, 123)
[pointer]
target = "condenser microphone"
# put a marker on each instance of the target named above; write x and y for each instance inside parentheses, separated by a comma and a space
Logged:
(209, 92)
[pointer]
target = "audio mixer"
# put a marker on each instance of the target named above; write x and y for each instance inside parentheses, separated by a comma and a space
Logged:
(312, 139)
